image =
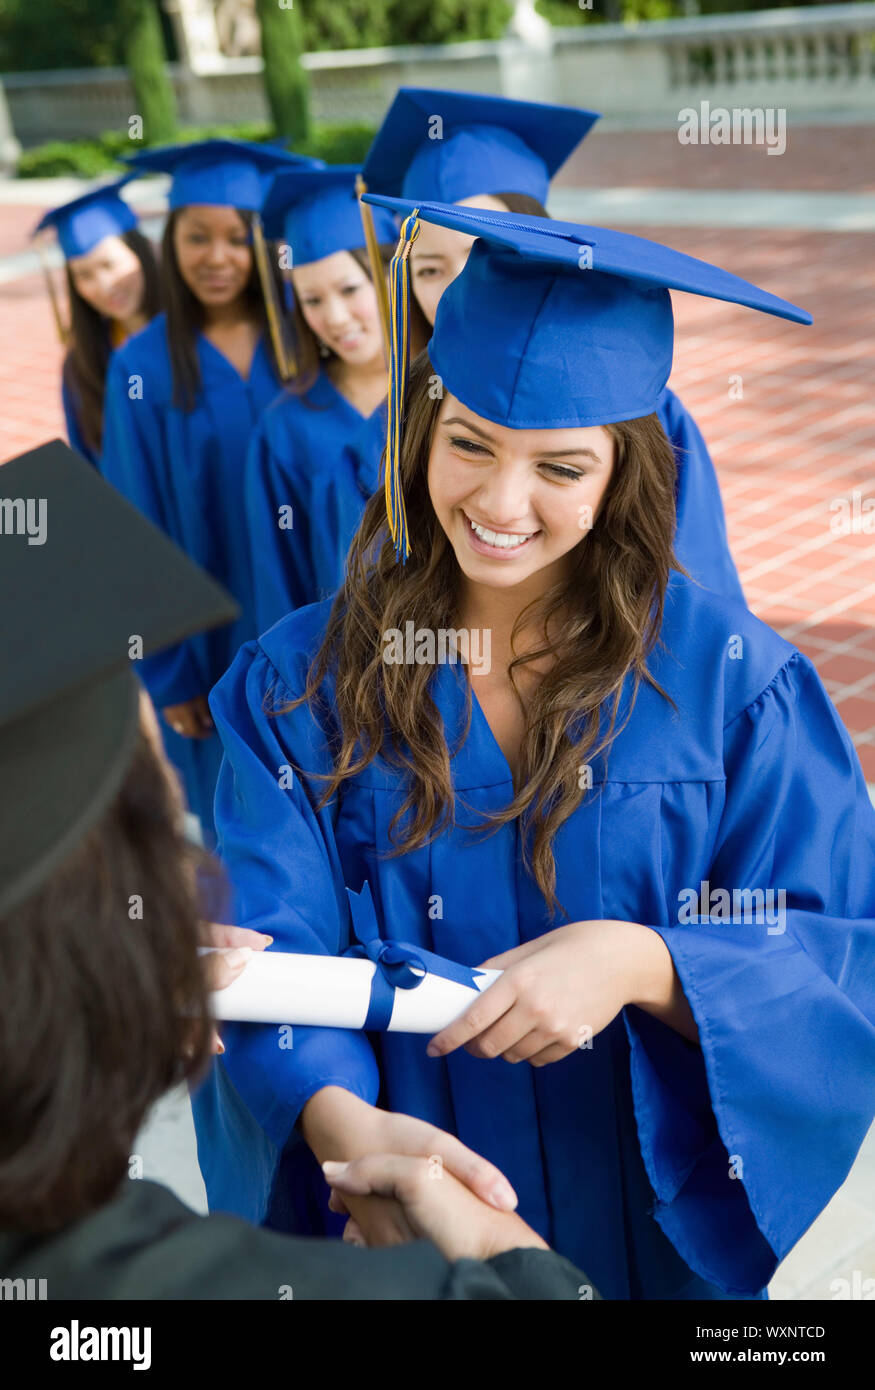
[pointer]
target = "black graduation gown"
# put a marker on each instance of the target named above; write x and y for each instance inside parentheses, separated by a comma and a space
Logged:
(146, 1244)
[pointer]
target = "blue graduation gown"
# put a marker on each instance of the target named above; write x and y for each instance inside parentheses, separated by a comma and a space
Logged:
(184, 470)
(304, 457)
(74, 430)
(327, 474)
(666, 1169)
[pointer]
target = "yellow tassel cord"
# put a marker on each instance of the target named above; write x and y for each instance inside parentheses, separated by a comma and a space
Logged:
(375, 261)
(63, 333)
(399, 366)
(284, 355)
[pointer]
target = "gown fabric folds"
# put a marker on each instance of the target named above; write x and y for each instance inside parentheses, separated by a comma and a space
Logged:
(664, 1168)
(185, 471)
(316, 454)
(74, 430)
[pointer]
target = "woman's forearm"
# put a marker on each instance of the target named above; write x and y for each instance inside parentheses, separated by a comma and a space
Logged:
(656, 986)
(331, 1122)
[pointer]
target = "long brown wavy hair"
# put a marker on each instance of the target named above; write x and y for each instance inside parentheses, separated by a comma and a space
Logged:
(89, 347)
(608, 614)
(186, 317)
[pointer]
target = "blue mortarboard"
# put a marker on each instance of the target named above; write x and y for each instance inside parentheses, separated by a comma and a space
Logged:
(551, 324)
(446, 146)
(83, 223)
(316, 212)
(222, 173)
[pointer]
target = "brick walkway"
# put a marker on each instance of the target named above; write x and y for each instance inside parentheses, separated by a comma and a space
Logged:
(795, 454)
(836, 158)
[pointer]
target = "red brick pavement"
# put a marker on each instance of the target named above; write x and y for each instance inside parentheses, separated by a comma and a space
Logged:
(796, 449)
(17, 221)
(837, 158)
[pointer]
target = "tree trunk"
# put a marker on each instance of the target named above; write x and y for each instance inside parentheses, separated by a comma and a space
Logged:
(285, 80)
(146, 58)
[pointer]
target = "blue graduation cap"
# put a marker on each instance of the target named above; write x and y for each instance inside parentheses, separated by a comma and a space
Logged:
(84, 222)
(445, 146)
(222, 173)
(316, 212)
(550, 324)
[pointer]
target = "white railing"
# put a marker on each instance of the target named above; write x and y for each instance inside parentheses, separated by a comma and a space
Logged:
(811, 61)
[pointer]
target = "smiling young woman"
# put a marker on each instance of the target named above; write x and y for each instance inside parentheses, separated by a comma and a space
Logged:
(627, 1059)
(113, 290)
(307, 474)
(182, 399)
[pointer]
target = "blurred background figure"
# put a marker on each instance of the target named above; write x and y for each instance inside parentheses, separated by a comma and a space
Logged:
(182, 399)
(113, 291)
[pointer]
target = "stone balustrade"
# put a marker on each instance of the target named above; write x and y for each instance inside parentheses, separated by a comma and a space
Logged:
(814, 62)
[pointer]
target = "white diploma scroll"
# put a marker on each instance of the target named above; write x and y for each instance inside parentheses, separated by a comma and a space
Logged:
(335, 992)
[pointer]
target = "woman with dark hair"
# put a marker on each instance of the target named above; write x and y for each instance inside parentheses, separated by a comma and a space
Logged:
(182, 399)
(546, 750)
(463, 148)
(302, 469)
(103, 999)
(113, 290)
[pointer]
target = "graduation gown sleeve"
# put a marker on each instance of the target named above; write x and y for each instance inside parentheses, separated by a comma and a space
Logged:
(132, 459)
(262, 808)
(280, 552)
(71, 418)
(746, 1139)
(701, 541)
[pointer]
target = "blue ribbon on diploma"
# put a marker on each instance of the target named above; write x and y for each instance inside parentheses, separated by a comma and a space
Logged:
(400, 965)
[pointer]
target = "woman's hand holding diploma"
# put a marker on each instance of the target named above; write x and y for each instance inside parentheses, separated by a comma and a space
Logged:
(191, 719)
(234, 945)
(563, 988)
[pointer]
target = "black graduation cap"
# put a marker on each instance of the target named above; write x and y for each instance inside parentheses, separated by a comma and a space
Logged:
(86, 583)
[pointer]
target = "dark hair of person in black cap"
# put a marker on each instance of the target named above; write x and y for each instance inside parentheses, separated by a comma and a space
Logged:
(103, 1001)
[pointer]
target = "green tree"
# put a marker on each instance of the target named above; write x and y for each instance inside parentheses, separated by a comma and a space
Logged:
(447, 21)
(77, 34)
(285, 81)
(337, 24)
(146, 58)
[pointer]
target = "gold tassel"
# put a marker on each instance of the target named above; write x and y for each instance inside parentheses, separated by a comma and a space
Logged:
(275, 316)
(399, 365)
(378, 272)
(63, 333)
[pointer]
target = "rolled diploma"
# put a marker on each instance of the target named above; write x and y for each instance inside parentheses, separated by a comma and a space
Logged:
(334, 992)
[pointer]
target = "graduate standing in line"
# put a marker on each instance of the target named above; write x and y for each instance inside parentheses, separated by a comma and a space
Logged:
(493, 153)
(297, 456)
(114, 290)
(182, 399)
(623, 790)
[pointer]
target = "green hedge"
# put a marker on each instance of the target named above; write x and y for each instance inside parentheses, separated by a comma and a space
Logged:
(340, 144)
